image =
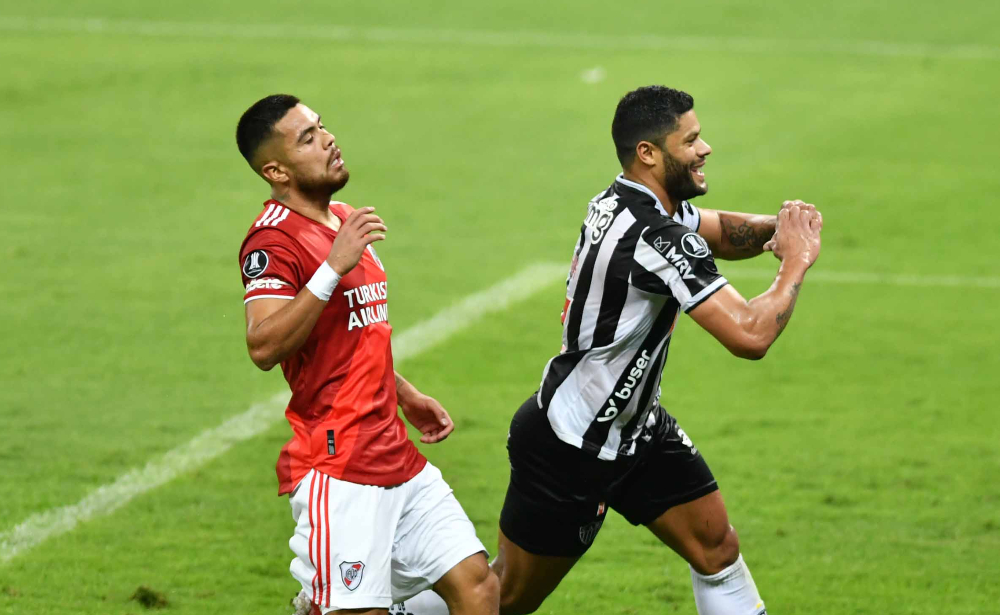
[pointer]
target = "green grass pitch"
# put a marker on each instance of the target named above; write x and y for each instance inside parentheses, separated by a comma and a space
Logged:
(860, 460)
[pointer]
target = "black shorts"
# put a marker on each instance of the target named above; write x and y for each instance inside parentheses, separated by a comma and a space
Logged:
(558, 495)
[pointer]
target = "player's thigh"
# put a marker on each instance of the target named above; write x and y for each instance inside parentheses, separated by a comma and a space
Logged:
(343, 543)
(527, 579)
(699, 531)
(433, 537)
(671, 490)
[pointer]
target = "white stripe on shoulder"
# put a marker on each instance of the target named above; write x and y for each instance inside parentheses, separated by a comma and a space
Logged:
(267, 212)
(266, 220)
(280, 218)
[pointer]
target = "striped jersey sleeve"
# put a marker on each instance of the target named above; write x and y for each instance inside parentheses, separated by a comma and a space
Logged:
(270, 267)
(671, 259)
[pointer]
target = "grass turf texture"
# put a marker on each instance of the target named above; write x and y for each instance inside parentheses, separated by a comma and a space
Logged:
(859, 460)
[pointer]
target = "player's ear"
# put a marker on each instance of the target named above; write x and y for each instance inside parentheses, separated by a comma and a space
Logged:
(273, 172)
(647, 153)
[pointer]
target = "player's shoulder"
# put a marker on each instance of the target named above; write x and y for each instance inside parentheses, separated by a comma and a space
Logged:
(341, 208)
(654, 221)
(273, 225)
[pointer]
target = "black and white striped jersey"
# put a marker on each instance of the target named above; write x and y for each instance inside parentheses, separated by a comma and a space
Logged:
(634, 269)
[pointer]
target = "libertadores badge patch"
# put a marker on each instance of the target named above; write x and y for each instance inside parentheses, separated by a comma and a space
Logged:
(255, 264)
(351, 573)
(695, 246)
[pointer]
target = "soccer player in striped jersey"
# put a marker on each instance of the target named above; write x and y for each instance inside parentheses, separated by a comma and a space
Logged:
(375, 522)
(594, 436)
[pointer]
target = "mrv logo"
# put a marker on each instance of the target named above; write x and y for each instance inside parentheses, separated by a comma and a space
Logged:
(634, 376)
(679, 261)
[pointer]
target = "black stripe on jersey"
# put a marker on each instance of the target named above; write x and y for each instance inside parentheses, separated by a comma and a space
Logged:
(597, 433)
(615, 289)
(586, 276)
(651, 384)
(576, 305)
(559, 370)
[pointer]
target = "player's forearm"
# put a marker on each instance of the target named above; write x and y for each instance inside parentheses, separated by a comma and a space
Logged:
(404, 390)
(274, 338)
(743, 235)
(770, 312)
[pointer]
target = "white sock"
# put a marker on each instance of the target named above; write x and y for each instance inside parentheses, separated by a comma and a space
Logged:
(730, 592)
(425, 603)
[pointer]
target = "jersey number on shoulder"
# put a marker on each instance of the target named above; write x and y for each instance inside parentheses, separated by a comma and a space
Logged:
(599, 217)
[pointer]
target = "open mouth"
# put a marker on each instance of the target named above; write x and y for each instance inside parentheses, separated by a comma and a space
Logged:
(698, 172)
(336, 161)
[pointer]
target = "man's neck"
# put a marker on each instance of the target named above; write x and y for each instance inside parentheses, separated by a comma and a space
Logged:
(316, 208)
(654, 187)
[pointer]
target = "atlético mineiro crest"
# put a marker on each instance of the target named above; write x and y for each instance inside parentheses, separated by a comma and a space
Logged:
(351, 573)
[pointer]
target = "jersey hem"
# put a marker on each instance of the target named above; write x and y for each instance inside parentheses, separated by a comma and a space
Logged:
(577, 441)
(285, 488)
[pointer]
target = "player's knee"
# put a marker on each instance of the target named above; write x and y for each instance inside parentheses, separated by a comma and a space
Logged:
(489, 590)
(479, 592)
(719, 552)
(485, 592)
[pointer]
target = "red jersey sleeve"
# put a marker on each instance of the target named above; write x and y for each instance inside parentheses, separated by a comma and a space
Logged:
(270, 266)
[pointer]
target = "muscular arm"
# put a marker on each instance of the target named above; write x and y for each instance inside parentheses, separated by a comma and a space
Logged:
(277, 327)
(734, 236)
(748, 328)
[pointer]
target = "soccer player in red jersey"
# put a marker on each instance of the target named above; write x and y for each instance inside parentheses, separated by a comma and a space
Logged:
(375, 522)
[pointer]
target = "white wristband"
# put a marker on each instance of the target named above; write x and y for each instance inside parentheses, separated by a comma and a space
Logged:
(323, 281)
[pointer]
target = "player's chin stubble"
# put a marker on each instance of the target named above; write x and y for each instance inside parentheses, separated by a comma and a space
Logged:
(325, 186)
(680, 185)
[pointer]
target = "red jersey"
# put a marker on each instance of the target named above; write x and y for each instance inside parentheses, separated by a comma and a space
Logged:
(343, 407)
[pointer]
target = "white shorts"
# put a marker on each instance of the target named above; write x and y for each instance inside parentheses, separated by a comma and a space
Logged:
(362, 546)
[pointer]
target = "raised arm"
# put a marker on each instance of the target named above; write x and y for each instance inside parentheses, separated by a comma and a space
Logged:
(278, 327)
(735, 236)
(748, 328)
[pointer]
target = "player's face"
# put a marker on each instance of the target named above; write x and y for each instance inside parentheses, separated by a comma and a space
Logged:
(684, 159)
(310, 152)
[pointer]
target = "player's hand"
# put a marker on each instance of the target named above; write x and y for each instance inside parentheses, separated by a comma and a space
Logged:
(815, 213)
(355, 234)
(798, 234)
(428, 416)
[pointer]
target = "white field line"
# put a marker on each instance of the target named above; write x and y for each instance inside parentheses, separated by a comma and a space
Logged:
(484, 38)
(846, 277)
(259, 417)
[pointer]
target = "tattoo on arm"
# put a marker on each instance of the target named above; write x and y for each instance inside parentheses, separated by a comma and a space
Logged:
(745, 236)
(783, 317)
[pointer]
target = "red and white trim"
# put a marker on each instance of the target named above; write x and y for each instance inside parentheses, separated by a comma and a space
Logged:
(319, 538)
(273, 215)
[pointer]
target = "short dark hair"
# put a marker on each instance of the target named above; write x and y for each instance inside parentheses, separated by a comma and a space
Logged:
(647, 114)
(257, 123)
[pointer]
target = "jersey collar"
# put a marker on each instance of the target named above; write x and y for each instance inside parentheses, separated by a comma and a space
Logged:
(639, 187)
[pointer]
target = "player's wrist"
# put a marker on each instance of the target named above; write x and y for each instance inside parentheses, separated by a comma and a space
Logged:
(323, 282)
(795, 265)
